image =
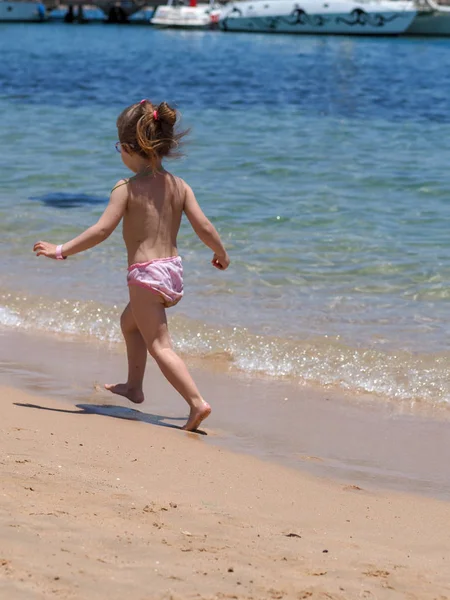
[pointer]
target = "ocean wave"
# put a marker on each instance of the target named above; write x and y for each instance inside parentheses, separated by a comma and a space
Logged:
(398, 376)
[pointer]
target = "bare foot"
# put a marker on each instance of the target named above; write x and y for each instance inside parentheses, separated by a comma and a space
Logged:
(122, 389)
(196, 416)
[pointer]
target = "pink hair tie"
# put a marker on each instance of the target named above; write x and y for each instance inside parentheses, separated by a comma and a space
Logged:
(155, 115)
(143, 101)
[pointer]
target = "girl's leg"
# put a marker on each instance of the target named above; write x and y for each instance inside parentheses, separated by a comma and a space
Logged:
(150, 317)
(137, 359)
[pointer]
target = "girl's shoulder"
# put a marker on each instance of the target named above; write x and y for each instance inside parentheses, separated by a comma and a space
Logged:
(120, 183)
(178, 183)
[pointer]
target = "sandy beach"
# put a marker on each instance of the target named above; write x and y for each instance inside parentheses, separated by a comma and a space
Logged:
(97, 508)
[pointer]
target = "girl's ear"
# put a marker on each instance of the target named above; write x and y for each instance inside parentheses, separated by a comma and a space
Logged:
(127, 148)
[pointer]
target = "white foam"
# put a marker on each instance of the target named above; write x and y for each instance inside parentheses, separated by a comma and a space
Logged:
(400, 376)
(9, 318)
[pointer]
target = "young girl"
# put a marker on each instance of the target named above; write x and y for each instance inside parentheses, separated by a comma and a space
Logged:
(151, 204)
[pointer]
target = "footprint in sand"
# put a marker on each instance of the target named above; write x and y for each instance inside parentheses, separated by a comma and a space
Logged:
(376, 573)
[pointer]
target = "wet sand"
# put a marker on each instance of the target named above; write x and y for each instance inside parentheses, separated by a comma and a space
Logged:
(360, 440)
(95, 507)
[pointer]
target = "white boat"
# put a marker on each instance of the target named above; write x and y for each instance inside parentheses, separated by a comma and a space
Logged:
(19, 11)
(89, 13)
(431, 19)
(349, 17)
(194, 16)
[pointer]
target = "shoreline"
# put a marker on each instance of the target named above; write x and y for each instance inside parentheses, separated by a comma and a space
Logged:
(109, 508)
(330, 435)
(416, 378)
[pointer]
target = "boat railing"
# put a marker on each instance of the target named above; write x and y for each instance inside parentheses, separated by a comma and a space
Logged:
(431, 4)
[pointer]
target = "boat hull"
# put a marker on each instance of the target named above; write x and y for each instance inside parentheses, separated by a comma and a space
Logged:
(310, 16)
(144, 16)
(21, 12)
(430, 23)
(90, 13)
(186, 17)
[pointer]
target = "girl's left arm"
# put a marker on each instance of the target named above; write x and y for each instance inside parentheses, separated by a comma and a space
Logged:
(97, 233)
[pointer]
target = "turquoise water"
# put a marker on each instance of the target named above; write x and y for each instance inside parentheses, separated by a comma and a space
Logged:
(322, 162)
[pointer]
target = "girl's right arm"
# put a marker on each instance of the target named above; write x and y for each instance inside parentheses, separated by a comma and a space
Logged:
(95, 234)
(205, 230)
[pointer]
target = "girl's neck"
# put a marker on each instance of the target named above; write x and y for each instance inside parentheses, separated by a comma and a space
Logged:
(143, 167)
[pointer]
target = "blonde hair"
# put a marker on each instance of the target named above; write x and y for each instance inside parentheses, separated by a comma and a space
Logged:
(149, 130)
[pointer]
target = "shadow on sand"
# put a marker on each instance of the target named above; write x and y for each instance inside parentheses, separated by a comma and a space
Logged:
(118, 412)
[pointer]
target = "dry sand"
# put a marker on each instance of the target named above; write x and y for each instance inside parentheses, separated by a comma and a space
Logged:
(102, 508)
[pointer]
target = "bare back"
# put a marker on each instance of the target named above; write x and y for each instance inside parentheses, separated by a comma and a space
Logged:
(153, 216)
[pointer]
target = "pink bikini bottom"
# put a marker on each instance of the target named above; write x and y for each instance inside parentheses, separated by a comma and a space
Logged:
(162, 276)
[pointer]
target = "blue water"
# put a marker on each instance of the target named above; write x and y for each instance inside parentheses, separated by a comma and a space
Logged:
(321, 160)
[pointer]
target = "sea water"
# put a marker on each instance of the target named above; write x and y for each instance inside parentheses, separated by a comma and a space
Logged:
(322, 161)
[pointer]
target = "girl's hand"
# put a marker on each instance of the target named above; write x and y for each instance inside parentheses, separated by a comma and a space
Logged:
(221, 262)
(45, 249)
